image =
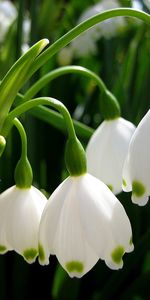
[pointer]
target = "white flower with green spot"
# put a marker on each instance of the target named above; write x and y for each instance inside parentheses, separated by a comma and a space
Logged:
(82, 222)
(136, 171)
(20, 213)
(107, 150)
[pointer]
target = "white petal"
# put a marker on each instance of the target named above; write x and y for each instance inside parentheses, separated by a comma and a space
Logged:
(60, 232)
(22, 220)
(138, 155)
(107, 150)
(103, 218)
(71, 247)
(126, 180)
(141, 201)
(49, 221)
(4, 206)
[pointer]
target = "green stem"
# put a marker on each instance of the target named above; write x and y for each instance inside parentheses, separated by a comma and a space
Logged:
(23, 171)
(74, 153)
(55, 119)
(38, 101)
(23, 136)
(59, 72)
(110, 107)
(76, 31)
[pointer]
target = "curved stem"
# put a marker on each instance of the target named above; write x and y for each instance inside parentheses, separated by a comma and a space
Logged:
(23, 172)
(23, 136)
(38, 101)
(59, 72)
(55, 119)
(76, 31)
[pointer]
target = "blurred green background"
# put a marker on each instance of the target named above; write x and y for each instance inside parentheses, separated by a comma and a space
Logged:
(122, 60)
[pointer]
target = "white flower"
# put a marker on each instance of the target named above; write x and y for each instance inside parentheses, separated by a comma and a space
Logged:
(82, 222)
(136, 171)
(8, 14)
(107, 150)
(85, 44)
(20, 213)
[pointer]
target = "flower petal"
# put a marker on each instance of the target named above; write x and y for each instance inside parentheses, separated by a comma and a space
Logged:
(60, 232)
(109, 225)
(138, 166)
(23, 218)
(70, 245)
(106, 162)
(49, 221)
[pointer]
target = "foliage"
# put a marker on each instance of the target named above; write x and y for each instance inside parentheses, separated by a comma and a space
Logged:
(123, 64)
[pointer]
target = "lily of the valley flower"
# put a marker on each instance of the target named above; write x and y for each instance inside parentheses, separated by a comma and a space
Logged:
(107, 150)
(136, 171)
(82, 222)
(20, 213)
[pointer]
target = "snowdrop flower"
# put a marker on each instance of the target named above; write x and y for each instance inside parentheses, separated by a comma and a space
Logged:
(136, 171)
(82, 222)
(20, 213)
(85, 44)
(8, 14)
(107, 150)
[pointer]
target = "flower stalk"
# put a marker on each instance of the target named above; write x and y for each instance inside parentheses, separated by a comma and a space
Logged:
(23, 170)
(75, 155)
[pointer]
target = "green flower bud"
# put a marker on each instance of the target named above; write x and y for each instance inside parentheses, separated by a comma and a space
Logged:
(110, 107)
(23, 174)
(75, 157)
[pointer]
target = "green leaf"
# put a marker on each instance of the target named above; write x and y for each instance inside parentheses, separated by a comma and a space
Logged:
(16, 77)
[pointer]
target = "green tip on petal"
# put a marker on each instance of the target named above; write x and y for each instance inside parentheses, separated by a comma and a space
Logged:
(41, 253)
(117, 254)
(131, 241)
(74, 266)
(110, 187)
(30, 255)
(124, 182)
(3, 249)
(138, 189)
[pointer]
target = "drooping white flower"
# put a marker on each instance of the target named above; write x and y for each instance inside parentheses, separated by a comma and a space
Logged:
(136, 171)
(82, 222)
(20, 213)
(85, 44)
(8, 14)
(107, 150)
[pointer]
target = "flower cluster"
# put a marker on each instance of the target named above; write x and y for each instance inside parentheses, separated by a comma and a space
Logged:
(82, 221)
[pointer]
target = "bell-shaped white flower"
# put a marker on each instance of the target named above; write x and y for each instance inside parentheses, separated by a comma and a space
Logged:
(107, 150)
(136, 171)
(20, 213)
(82, 222)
